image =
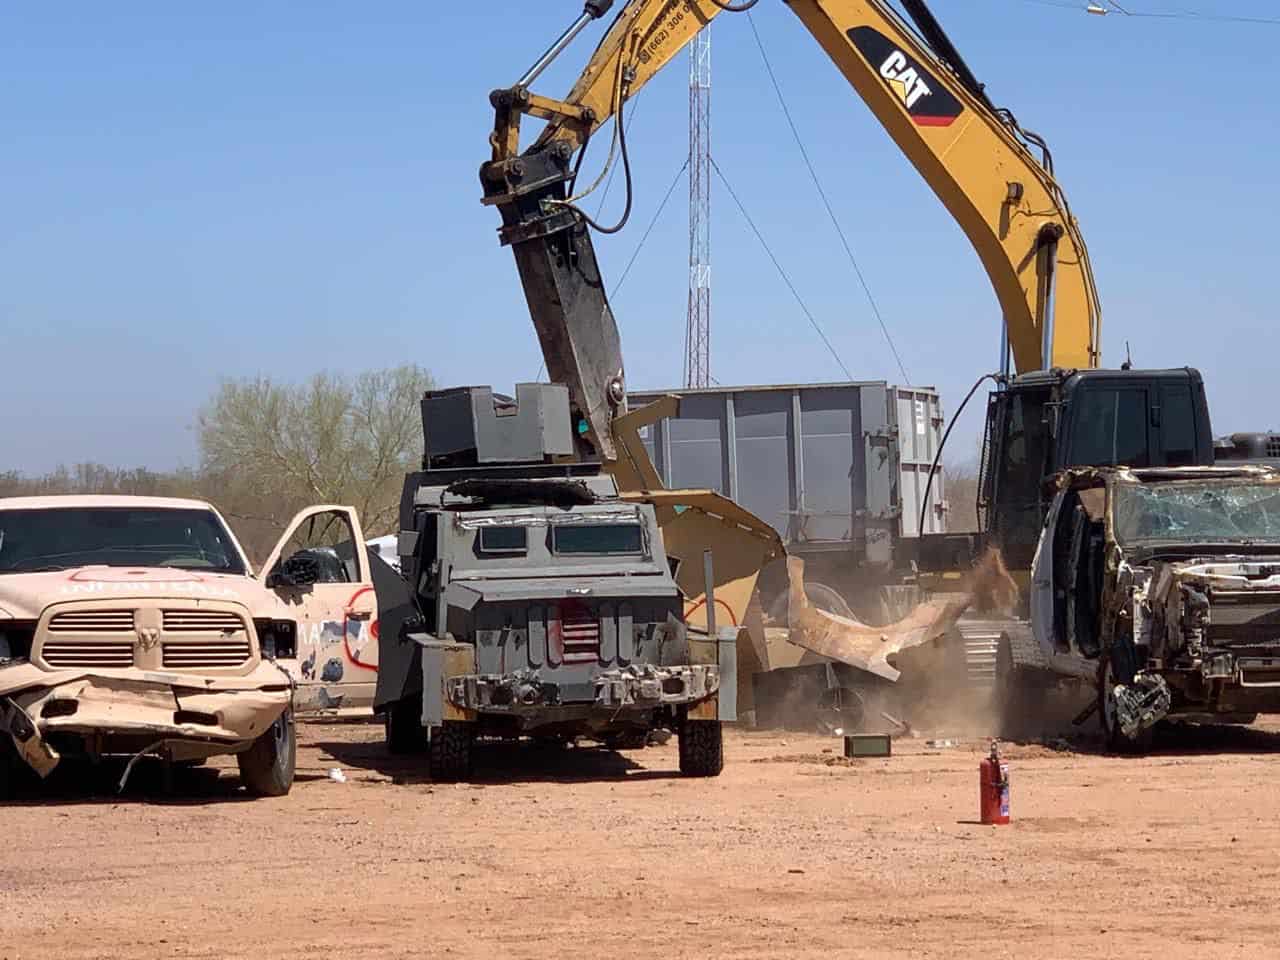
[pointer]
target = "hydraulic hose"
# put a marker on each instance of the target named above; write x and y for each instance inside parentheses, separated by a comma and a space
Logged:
(933, 468)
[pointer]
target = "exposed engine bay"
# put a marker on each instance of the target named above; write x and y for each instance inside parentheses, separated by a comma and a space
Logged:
(1168, 579)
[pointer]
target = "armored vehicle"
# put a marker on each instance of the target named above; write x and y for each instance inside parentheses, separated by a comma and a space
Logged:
(536, 601)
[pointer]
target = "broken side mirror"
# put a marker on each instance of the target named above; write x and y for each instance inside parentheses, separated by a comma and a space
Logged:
(299, 570)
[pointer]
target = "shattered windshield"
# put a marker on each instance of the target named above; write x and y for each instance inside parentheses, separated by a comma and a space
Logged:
(67, 537)
(1208, 512)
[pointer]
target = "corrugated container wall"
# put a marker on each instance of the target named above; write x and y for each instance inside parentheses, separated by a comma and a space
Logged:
(837, 466)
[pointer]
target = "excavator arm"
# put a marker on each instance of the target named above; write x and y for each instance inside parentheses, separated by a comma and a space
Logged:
(976, 158)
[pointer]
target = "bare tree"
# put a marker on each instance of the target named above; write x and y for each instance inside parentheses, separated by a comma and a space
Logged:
(267, 449)
(99, 478)
(962, 497)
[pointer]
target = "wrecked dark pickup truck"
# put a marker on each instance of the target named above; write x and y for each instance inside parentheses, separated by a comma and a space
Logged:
(1162, 588)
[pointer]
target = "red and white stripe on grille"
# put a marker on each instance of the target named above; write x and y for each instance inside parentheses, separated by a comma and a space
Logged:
(580, 633)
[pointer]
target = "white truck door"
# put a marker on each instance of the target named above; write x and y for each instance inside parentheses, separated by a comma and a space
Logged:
(319, 572)
(1042, 580)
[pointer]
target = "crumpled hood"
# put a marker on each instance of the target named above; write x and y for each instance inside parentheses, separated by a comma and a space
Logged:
(23, 596)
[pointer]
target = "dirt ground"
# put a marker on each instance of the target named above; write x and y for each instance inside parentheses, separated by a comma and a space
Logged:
(793, 852)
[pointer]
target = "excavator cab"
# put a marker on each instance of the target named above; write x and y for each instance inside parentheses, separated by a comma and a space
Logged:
(1045, 421)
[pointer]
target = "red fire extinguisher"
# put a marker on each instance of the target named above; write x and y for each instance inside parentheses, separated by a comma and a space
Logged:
(993, 786)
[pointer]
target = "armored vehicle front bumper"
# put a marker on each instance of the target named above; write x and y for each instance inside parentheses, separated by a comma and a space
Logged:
(633, 688)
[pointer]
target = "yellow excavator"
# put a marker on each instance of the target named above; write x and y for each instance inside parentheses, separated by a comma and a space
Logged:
(1056, 408)
(1052, 410)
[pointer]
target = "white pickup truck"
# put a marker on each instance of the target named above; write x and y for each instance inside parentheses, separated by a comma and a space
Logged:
(135, 625)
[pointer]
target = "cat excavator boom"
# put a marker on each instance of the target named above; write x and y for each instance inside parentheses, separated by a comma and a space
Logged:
(994, 177)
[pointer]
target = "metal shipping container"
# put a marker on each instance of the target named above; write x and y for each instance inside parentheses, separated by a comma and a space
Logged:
(833, 467)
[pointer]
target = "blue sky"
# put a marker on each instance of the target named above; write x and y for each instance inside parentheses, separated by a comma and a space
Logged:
(190, 192)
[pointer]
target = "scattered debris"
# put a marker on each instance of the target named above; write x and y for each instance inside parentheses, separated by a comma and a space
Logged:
(868, 745)
(940, 744)
(987, 587)
(128, 769)
(816, 759)
(905, 727)
(337, 776)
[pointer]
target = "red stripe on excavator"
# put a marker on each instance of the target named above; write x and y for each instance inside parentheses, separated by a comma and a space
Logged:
(934, 121)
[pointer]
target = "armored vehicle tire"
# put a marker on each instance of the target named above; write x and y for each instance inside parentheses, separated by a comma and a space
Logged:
(449, 751)
(701, 748)
(1119, 667)
(267, 767)
(402, 726)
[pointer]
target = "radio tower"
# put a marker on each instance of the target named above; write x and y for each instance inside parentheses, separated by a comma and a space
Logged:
(697, 337)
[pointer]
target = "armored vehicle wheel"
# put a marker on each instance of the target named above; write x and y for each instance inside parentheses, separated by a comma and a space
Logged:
(1119, 667)
(449, 751)
(402, 726)
(267, 767)
(701, 748)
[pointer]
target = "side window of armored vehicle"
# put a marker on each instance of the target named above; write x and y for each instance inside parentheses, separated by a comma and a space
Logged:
(321, 550)
(1111, 428)
(1177, 425)
(502, 541)
(597, 539)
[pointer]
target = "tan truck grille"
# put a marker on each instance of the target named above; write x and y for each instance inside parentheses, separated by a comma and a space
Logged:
(189, 656)
(68, 654)
(201, 639)
(194, 639)
(90, 639)
(93, 621)
(202, 621)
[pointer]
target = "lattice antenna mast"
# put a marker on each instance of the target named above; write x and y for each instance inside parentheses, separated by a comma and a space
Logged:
(697, 338)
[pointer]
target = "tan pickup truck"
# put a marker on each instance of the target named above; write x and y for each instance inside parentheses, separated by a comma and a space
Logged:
(135, 626)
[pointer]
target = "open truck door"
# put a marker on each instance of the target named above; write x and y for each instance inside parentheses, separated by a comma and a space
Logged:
(320, 573)
(1042, 576)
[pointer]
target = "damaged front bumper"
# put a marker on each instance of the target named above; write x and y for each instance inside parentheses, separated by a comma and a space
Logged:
(212, 715)
(633, 688)
(1140, 705)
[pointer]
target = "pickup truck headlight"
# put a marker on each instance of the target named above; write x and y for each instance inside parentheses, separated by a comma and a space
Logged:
(15, 641)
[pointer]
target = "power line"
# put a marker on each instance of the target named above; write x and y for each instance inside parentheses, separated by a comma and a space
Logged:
(649, 229)
(781, 272)
(1185, 15)
(813, 175)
